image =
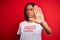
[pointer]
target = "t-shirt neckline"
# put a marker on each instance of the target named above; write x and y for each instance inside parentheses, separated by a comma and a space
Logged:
(29, 22)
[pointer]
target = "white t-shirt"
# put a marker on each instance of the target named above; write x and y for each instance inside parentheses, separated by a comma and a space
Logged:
(29, 31)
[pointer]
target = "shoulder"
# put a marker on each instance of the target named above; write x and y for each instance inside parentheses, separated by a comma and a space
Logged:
(23, 22)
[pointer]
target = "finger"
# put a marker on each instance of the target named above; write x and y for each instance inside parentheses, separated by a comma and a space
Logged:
(36, 10)
(32, 19)
(42, 16)
(38, 13)
(40, 10)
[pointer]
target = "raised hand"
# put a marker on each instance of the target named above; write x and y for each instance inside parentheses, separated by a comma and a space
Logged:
(39, 18)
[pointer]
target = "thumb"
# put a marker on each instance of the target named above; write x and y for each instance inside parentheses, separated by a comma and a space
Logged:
(32, 19)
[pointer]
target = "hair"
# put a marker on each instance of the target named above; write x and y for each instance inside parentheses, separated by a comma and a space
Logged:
(25, 15)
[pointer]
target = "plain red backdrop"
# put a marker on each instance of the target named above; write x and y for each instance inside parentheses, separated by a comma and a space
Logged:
(12, 13)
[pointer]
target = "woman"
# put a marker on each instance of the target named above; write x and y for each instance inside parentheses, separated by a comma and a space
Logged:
(32, 27)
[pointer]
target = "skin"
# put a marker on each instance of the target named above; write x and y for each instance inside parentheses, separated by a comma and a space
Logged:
(35, 14)
(30, 12)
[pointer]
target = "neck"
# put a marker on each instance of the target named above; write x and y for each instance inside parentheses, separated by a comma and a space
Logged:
(29, 20)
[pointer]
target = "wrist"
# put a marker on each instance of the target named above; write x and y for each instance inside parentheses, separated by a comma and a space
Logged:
(43, 22)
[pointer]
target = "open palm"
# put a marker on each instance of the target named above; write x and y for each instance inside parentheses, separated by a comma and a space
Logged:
(38, 15)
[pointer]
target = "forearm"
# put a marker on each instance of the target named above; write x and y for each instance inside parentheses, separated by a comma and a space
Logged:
(46, 27)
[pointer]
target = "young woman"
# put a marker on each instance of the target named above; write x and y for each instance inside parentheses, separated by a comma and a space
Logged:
(31, 28)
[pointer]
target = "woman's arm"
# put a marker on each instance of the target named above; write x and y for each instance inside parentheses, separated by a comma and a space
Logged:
(46, 27)
(39, 18)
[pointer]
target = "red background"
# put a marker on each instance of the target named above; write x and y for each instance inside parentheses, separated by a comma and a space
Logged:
(12, 14)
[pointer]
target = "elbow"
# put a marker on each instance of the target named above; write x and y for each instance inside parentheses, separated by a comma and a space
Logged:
(49, 32)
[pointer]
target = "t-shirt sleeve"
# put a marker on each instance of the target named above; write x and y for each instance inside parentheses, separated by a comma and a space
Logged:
(19, 30)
